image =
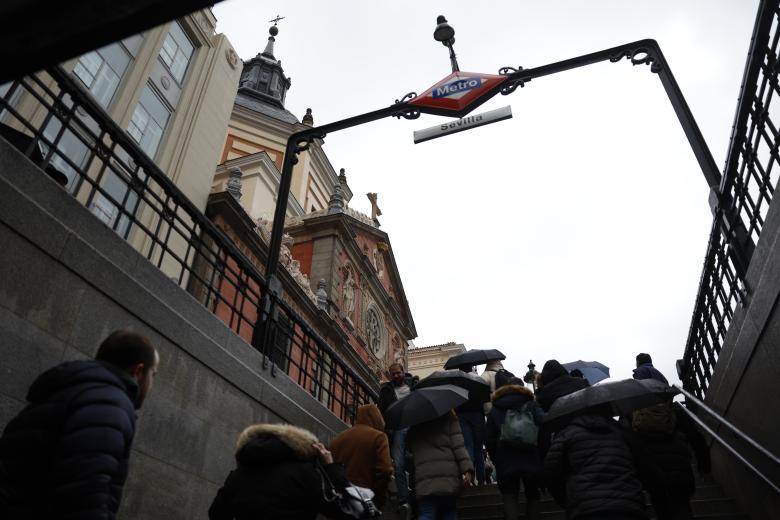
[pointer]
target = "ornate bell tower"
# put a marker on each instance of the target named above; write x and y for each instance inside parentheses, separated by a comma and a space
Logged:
(263, 77)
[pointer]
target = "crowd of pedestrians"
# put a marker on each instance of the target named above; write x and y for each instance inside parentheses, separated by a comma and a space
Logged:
(66, 454)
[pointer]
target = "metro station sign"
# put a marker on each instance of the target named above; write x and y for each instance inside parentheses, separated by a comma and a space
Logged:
(458, 94)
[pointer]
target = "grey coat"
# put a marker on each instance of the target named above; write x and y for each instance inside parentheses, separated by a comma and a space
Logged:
(440, 458)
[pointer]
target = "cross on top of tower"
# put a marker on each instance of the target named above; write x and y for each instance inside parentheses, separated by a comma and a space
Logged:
(277, 19)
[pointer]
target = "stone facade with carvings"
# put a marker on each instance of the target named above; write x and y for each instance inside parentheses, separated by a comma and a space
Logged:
(425, 360)
(352, 260)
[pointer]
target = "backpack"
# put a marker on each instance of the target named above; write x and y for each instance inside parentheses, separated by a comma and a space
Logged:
(659, 418)
(519, 429)
(502, 377)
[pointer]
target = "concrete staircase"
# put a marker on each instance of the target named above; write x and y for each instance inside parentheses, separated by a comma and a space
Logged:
(484, 503)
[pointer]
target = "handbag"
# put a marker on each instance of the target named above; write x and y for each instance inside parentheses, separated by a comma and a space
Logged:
(354, 501)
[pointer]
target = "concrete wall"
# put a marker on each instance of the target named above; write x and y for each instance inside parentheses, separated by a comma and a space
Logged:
(66, 281)
(747, 377)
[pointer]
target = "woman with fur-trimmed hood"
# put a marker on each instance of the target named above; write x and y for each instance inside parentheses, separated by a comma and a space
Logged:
(514, 464)
(277, 477)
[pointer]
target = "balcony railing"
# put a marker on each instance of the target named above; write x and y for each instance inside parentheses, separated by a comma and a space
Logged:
(58, 125)
(748, 186)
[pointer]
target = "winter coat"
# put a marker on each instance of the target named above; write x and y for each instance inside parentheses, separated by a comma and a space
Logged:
(669, 459)
(440, 458)
(387, 394)
(694, 437)
(489, 375)
(276, 477)
(590, 470)
(364, 451)
(511, 462)
(66, 454)
(648, 371)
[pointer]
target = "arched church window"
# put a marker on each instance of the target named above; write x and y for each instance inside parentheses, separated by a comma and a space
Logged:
(375, 333)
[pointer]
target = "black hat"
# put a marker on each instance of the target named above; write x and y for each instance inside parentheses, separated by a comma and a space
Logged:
(552, 370)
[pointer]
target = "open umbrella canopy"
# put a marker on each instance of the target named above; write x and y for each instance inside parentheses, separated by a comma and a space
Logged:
(474, 357)
(478, 388)
(593, 371)
(423, 405)
(624, 396)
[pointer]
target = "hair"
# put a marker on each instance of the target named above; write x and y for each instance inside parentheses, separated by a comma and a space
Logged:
(643, 358)
(395, 365)
(125, 349)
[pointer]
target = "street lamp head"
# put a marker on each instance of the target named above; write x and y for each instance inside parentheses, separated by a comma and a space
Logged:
(444, 32)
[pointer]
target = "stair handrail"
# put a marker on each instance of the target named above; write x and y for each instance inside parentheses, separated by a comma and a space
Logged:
(722, 420)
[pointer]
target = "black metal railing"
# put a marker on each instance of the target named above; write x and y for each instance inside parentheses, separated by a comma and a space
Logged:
(746, 191)
(764, 455)
(57, 124)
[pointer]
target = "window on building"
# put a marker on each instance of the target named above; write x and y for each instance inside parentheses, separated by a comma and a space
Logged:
(149, 121)
(70, 146)
(375, 333)
(102, 70)
(146, 127)
(177, 51)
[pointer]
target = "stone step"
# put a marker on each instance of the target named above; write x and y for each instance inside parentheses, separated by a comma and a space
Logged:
(701, 508)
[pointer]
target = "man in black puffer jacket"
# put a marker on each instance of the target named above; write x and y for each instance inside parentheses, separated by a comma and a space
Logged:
(590, 470)
(66, 454)
(556, 382)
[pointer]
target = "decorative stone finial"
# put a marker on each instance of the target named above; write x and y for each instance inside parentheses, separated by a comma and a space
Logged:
(234, 182)
(308, 119)
(322, 295)
(336, 203)
(342, 177)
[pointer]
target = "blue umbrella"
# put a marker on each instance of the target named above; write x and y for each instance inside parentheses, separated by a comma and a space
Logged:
(593, 371)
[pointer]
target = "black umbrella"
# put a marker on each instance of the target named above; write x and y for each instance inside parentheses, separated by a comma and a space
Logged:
(624, 396)
(478, 388)
(424, 405)
(474, 357)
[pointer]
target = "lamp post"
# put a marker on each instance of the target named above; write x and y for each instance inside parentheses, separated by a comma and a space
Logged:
(641, 52)
(445, 34)
(530, 376)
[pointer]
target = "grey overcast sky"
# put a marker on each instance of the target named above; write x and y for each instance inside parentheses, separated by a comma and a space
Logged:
(575, 230)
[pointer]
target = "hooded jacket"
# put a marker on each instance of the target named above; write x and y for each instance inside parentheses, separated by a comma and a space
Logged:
(648, 371)
(66, 454)
(440, 458)
(556, 382)
(590, 470)
(276, 477)
(511, 462)
(364, 451)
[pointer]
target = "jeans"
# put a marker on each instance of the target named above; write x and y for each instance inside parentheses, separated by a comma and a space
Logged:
(437, 508)
(398, 454)
(472, 424)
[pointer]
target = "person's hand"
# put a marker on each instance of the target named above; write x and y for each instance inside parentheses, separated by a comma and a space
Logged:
(468, 479)
(326, 457)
